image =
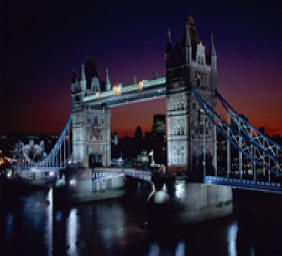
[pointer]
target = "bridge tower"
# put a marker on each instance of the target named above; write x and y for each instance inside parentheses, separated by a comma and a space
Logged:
(91, 124)
(189, 132)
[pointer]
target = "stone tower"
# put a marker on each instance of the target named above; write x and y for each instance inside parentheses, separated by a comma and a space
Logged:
(188, 65)
(90, 123)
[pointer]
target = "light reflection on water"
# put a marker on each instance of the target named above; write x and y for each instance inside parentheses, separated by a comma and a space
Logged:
(231, 238)
(9, 228)
(72, 232)
(49, 223)
(33, 226)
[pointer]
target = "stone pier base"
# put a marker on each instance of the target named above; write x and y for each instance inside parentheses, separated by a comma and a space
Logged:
(189, 202)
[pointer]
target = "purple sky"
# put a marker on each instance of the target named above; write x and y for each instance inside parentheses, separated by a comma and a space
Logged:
(43, 41)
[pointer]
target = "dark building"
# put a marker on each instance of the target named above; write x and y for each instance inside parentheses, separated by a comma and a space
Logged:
(159, 124)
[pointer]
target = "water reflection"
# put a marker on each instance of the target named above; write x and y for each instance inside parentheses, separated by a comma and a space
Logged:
(111, 223)
(154, 249)
(72, 232)
(9, 227)
(180, 249)
(113, 228)
(232, 238)
(49, 223)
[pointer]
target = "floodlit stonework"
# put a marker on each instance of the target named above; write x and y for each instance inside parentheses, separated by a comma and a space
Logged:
(188, 65)
(188, 129)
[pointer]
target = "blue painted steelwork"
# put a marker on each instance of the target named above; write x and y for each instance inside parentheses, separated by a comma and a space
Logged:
(49, 159)
(244, 184)
(236, 115)
(214, 117)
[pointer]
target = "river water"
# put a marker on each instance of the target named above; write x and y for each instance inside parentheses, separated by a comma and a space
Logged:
(31, 225)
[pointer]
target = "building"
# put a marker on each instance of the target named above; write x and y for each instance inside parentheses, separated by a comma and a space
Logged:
(188, 65)
(158, 124)
(90, 124)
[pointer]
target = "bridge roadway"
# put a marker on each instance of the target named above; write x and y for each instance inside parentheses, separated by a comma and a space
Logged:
(256, 185)
(140, 174)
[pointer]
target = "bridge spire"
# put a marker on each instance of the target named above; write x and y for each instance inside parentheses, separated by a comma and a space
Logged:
(188, 40)
(108, 83)
(213, 51)
(169, 44)
(188, 46)
(169, 35)
(213, 56)
(83, 78)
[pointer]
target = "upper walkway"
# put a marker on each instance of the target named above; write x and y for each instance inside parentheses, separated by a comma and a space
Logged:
(132, 93)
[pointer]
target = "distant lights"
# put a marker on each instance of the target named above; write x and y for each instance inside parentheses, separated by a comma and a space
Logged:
(52, 174)
(72, 182)
(97, 95)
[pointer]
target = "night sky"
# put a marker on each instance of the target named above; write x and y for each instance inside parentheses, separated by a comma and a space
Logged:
(41, 41)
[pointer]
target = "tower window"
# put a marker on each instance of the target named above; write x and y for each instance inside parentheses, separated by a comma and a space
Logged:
(77, 99)
(95, 120)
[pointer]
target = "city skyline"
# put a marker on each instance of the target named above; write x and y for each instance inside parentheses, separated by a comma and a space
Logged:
(40, 51)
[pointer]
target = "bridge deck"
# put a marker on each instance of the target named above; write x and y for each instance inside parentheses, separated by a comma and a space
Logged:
(140, 174)
(244, 184)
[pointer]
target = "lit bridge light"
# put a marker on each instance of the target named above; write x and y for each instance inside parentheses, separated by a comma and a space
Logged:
(117, 89)
(140, 85)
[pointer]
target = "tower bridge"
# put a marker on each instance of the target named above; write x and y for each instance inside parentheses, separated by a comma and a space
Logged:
(190, 89)
(187, 65)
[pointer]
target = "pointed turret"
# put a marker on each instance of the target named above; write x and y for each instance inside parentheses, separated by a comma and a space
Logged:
(188, 40)
(213, 55)
(169, 44)
(169, 35)
(83, 78)
(213, 51)
(188, 46)
(108, 82)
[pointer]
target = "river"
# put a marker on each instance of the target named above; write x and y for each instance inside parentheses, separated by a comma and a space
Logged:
(31, 225)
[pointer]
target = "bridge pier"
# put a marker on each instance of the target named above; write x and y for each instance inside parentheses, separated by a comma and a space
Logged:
(184, 202)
